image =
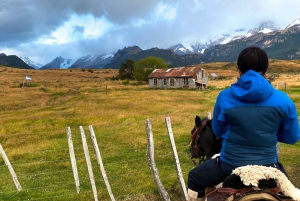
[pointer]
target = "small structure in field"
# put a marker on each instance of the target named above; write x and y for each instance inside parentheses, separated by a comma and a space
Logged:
(182, 77)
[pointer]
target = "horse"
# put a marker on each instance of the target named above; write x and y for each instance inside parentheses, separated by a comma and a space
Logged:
(204, 145)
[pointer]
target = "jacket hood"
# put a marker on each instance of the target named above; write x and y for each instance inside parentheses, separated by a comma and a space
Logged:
(251, 87)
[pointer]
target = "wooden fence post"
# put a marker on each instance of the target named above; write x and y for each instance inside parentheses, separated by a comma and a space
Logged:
(11, 170)
(285, 86)
(177, 163)
(73, 160)
(209, 115)
(150, 155)
(278, 149)
(100, 163)
(88, 162)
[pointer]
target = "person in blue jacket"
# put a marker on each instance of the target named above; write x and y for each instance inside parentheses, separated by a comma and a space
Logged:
(250, 117)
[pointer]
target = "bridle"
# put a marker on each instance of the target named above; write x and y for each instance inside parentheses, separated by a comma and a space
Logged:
(197, 129)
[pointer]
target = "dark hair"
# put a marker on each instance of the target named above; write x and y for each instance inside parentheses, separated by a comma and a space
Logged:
(253, 58)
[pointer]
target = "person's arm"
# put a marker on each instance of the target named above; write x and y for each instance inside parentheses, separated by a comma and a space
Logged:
(289, 131)
(217, 125)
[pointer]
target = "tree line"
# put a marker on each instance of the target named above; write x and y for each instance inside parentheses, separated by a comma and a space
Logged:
(140, 70)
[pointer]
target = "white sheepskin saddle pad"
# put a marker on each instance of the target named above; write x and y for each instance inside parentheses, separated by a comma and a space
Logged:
(251, 174)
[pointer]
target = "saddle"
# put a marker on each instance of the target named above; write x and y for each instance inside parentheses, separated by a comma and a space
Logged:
(268, 184)
(246, 194)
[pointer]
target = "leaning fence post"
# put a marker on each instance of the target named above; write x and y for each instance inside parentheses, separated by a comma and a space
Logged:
(88, 162)
(178, 169)
(73, 160)
(100, 163)
(11, 170)
(150, 155)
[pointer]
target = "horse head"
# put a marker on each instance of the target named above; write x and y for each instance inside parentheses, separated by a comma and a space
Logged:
(204, 144)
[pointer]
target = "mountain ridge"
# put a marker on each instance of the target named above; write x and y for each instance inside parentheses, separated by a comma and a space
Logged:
(280, 44)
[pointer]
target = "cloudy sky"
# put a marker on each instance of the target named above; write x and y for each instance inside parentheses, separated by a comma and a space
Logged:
(45, 29)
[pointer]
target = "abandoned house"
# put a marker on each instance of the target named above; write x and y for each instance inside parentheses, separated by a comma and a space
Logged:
(183, 77)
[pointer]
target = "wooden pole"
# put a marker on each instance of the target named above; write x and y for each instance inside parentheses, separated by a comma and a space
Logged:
(284, 86)
(100, 163)
(88, 162)
(73, 160)
(23, 85)
(11, 170)
(176, 158)
(150, 155)
(209, 115)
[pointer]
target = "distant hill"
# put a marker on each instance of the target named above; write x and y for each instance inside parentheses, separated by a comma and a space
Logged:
(13, 61)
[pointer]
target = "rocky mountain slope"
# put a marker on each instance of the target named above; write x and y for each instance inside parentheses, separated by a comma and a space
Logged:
(13, 61)
(31, 63)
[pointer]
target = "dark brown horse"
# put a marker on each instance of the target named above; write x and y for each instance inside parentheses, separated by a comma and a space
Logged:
(203, 143)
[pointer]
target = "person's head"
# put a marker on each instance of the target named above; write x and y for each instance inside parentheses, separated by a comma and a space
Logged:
(253, 58)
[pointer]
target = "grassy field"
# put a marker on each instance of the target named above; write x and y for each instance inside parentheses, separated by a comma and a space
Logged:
(34, 119)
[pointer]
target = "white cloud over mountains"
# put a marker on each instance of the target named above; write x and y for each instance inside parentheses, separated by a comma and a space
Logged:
(45, 29)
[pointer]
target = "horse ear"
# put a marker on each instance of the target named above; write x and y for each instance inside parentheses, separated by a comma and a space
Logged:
(197, 120)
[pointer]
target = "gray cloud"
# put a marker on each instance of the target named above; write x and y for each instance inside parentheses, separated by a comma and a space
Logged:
(22, 22)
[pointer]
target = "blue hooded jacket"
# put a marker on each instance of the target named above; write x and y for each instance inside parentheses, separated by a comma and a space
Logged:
(251, 117)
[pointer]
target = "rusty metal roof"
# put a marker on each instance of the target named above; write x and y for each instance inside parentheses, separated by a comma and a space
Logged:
(175, 72)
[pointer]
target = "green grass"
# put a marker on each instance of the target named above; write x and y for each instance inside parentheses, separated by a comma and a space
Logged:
(33, 135)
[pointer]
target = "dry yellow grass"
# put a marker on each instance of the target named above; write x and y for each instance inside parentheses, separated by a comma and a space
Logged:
(34, 121)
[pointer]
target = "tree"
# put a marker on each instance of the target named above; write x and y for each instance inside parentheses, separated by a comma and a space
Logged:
(144, 67)
(126, 70)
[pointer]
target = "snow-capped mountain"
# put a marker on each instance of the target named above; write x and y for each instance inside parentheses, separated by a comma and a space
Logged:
(198, 46)
(294, 24)
(31, 63)
(180, 49)
(265, 28)
(93, 61)
(89, 61)
(67, 63)
(59, 62)
(214, 48)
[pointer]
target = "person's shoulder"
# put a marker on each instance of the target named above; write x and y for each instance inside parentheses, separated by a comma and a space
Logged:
(280, 95)
(281, 100)
(224, 92)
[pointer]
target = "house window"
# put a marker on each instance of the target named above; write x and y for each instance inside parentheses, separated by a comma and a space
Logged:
(185, 81)
(155, 82)
(165, 81)
(172, 82)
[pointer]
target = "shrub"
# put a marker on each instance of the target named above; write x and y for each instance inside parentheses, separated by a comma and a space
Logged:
(125, 82)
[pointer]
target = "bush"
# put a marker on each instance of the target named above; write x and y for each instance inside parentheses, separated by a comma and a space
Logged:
(44, 89)
(125, 82)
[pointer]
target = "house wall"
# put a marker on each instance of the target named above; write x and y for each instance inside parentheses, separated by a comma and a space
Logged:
(178, 83)
(202, 77)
